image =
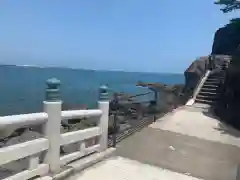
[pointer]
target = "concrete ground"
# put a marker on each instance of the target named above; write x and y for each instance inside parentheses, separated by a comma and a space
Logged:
(189, 142)
(184, 144)
(193, 122)
(119, 168)
(180, 153)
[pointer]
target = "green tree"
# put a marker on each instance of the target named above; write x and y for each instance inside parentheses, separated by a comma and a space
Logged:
(229, 5)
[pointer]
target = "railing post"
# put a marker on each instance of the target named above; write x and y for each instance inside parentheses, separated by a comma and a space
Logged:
(115, 119)
(52, 106)
(103, 105)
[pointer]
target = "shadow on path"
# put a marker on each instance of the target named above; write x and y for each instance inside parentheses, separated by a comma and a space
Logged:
(222, 127)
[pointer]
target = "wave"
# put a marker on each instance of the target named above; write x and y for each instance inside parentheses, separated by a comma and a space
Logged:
(30, 65)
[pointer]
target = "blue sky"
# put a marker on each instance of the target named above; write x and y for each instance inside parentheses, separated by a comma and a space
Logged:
(129, 35)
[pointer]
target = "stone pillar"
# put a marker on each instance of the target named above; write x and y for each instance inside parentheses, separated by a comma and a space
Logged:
(103, 105)
(52, 106)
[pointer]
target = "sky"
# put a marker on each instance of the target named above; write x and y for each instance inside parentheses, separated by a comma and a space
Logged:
(128, 35)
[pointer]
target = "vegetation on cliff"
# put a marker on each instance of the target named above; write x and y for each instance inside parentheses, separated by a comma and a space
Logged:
(229, 5)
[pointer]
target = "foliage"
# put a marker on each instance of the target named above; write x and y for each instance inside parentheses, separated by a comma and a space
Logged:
(229, 5)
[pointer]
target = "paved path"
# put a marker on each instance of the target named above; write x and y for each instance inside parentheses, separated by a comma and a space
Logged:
(119, 168)
(188, 142)
(180, 153)
(192, 122)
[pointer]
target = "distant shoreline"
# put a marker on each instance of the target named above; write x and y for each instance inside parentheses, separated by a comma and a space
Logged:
(85, 69)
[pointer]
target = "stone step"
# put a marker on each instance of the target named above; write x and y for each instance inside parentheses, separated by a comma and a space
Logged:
(208, 93)
(206, 97)
(204, 101)
(207, 89)
(216, 77)
(210, 85)
(212, 82)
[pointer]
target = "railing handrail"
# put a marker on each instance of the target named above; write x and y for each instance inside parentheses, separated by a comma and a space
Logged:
(70, 114)
(22, 120)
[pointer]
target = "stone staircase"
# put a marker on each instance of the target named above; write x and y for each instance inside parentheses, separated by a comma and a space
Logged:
(210, 92)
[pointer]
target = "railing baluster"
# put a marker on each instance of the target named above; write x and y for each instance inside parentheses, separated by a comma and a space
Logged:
(82, 146)
(33, 162)
(52, 106)
(103, 122)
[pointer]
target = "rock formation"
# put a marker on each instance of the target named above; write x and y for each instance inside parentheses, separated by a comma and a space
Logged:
(197, 69)
(226, 41)
(168, 96)
(227, 38)
(194, 73)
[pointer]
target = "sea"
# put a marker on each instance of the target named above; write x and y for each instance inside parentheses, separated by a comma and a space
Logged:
(22, 88)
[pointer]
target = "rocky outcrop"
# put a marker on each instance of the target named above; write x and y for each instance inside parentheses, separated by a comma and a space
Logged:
(228, 108)
(227, 38)
(197, 69)
(169, 96)
(194, 73)
(227, 42)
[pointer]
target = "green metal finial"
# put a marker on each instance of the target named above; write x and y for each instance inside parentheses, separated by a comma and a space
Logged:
(103, 93)
(52, 91)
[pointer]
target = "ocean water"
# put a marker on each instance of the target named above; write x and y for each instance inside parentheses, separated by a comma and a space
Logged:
(22, 89)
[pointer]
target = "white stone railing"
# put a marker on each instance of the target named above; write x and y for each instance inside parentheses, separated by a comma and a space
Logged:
(52, 139)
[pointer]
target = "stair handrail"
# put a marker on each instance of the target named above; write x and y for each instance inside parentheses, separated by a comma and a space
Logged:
(209, 66)
(200, 84)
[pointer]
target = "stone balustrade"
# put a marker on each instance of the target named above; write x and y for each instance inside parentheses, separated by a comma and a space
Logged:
(49, 145)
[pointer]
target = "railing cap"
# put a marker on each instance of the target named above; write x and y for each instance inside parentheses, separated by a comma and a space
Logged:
(53, 83)
(53, 91)
(103, 92)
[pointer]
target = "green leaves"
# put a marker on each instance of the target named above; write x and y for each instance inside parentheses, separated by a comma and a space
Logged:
(229, 5)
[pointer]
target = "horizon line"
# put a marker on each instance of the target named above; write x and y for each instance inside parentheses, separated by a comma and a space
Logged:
(86, 69)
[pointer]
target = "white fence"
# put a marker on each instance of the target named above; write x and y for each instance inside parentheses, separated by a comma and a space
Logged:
(50, 144)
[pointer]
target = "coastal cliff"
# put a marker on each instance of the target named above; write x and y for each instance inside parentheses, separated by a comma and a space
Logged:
(226, 39)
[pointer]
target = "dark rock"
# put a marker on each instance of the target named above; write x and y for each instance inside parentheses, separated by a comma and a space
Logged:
(229, 105)
(227, 38)
(194, 73)
(226, 41)
(169, 96)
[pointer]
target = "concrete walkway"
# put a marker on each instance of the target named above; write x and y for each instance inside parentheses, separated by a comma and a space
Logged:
(194, 122)
(119, 168)
(188, 142)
